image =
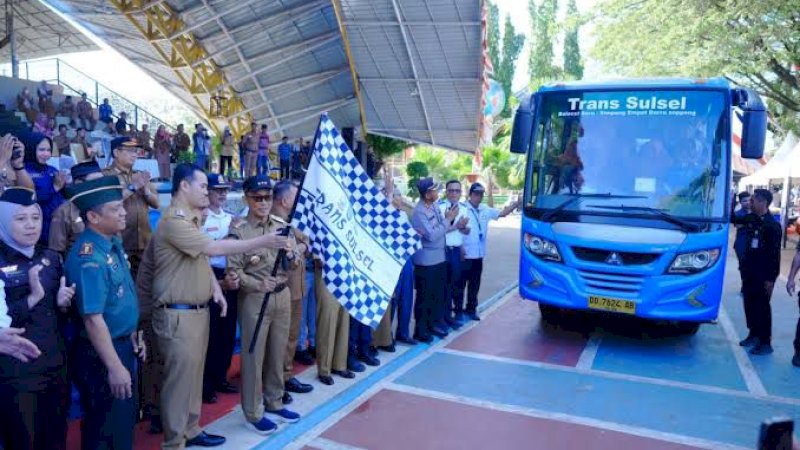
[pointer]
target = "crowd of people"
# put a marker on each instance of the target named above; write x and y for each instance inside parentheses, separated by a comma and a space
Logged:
(92, 294)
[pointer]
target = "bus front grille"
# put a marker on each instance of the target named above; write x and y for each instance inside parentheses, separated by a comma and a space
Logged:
(611, 282)
(625, 258)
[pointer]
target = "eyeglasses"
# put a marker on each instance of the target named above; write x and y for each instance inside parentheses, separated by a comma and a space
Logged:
(260, 198)
(454, 191)
(131, 149)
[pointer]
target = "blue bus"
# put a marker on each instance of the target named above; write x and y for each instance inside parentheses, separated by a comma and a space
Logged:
(628, 194)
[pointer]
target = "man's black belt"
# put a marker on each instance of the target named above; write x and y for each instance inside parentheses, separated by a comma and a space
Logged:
(185, 306)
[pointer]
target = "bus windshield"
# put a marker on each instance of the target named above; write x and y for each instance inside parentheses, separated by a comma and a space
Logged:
(625, 152)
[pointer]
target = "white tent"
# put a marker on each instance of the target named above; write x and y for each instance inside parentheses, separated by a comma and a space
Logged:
(785, 163)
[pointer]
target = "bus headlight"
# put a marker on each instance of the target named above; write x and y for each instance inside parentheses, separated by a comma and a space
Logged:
(542, 247)
(694, 262)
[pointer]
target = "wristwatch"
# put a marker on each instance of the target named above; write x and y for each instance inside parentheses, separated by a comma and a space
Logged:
(132, 188)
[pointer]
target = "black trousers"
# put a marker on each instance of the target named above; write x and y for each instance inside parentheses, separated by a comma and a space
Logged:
(472, 270)
(757, 310)
(455, 281)
(224, 163)
(221, 340)
(797, 331)
(34, 420)
(286, 167)
(431, 285)
(107, 422)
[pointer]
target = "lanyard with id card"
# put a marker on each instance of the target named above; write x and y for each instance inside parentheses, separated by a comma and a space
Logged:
(754, 241)
(478, 221)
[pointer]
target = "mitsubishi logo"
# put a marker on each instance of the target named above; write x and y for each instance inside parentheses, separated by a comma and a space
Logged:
(614, 259)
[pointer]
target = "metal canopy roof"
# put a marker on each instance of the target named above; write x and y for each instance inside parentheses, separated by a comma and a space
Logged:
(40, 32)
(418, 62)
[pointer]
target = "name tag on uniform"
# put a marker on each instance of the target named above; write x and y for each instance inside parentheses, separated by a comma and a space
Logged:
(754, 243)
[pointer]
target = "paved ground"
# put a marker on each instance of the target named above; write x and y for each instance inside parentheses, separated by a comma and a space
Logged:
(511, 382)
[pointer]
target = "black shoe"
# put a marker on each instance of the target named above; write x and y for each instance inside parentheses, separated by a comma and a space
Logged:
(474, 316)
(294, 385)
(354, 365)
(796, 359)
(227, 388)
(304, 357)
(326, 379)
(459, 317)
(287, 398)
(210, 399)
(372, 350)
(155, 425)
(749, 341)
(368, 359)
(406, 340)
(424, 338)
(387, 348)
(205, 440)
(454, 324)
(761, 349)
(344, 373)
(438, 332)
(312, 350)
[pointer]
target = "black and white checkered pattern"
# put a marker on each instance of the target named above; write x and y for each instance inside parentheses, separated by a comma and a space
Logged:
(360, 295)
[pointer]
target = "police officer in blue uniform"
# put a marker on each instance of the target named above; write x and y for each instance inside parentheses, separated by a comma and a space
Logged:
(34, 394)
(106, 300)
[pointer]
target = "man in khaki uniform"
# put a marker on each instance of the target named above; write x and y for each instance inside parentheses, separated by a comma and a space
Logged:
(262, 370)
(139, 195)
(180, 316)
(333, 332)
(285, 194)
(66, 224)
(152, 372)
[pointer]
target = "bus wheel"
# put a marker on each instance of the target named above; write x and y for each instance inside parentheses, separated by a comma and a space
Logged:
(688, 328)
(550, 313)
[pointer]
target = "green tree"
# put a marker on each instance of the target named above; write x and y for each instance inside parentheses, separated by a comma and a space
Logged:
(384, 147)
(543, 30)
(493, 33)
(415, 170)
(503, 52)
(495, 167)
(442, 165)
(753, 43)
(573, 66)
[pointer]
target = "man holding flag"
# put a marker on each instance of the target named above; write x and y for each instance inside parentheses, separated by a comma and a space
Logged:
(362, 240)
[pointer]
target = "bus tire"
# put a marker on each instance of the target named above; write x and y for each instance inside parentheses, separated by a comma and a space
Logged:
(688, 328)
(550, 314)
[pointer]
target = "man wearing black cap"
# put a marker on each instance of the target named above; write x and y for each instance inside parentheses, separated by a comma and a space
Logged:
(106, 300)
(139, 195)
(180, 312)
(67, 223)
(262, 370)
(475, 245)
(430, 267)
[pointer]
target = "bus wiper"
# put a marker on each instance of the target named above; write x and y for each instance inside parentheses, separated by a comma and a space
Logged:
(575, 197)
(685, 226)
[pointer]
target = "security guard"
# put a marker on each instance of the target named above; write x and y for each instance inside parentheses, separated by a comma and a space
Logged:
(760, 267)
(139, 196)
(67, 223)
(180, 316)
(262, 370)
(106, 300)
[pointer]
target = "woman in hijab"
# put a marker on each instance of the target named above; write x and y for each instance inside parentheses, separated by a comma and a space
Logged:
(161, 146)
(35, 393)
(42, 125)
(47, 179)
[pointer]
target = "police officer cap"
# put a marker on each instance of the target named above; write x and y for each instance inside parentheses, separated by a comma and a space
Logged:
(426, 184)
(124, 141)
(476, 188)
(217, 181)
(257, 183)
(19, 195)
(92, 193)
(84, 169)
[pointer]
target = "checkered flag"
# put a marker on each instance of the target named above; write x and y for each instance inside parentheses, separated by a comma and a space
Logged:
(362, 240)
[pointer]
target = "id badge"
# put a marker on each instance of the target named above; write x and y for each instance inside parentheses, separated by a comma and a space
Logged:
(754, 243)
(480, 236)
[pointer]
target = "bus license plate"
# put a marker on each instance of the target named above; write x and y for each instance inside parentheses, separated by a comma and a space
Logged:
(612, 304)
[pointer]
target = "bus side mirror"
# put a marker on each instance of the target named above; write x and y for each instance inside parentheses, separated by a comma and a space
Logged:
(523, 127)
(754, 123)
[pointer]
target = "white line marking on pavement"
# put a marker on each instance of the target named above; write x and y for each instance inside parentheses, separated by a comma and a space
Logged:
(589, 353)
(751, 378)
(539, 414)
(626, 377)
(315, 432)
(327, 444)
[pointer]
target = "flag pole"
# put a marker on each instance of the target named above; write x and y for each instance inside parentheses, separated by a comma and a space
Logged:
(282, 252)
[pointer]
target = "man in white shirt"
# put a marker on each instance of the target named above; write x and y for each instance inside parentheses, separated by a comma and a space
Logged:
(453, 252)
(475, 244)
(222, 333)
